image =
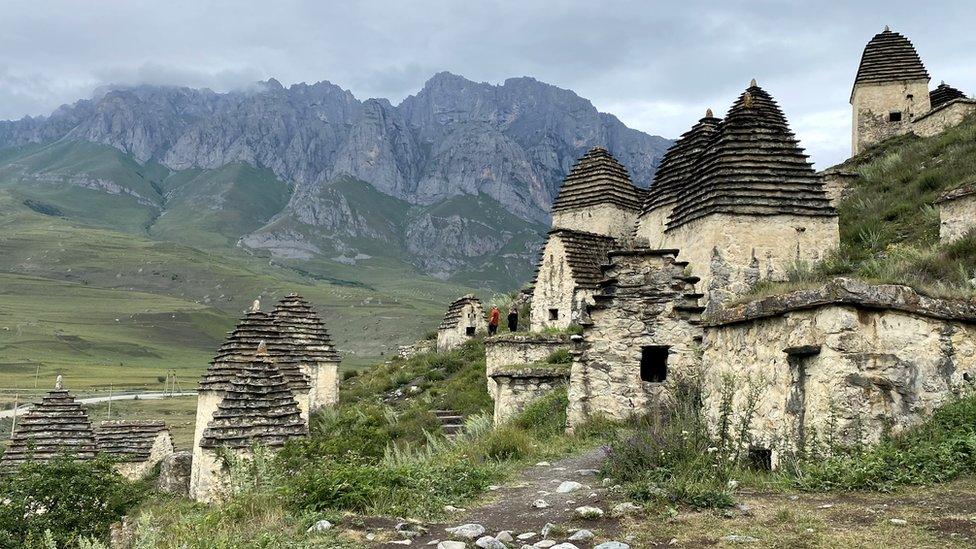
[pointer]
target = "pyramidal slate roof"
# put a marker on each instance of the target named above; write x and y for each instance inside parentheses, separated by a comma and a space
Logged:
(58, 424)
(303, 333)
(889, 57)
(129, 441)
(585, 253)
(677, 165)
(453, 315)
(241, 344)
(597, 178)
(753, 166)
(258, 408)
(943, 94)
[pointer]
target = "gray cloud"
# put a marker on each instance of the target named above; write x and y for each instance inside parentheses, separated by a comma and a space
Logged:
(655, 65)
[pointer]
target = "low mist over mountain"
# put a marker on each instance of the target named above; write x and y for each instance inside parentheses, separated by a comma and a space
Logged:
(456, 180)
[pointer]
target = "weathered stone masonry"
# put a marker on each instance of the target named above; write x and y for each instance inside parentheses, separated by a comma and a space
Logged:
(957, 213)
(641, 337)
(464, 319)
(137, 445)
(869, 358)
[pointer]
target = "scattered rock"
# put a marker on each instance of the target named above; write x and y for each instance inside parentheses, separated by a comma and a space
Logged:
(467, 531)
(319, 527)
(452, 545)
(543, 464)
(581, 535)
(826, 506)
(736, 538)
(898, 522)
(494, 487)
(505, 536)
(612, 545)
(624, 509)
(410, 529)
(544, 544)
(453, 509)
(673, 541)
(547, 529)
(540, 504)
(565, 546)
(744, 509)
(488, 542)
(589, 512)
(402, 542)
(526, 536)
(568, 486)
(587, 472)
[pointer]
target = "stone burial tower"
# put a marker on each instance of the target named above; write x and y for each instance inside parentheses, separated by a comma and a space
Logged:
(465, 318)
(891, 90)
(594, 212)
(56, 425)
(258, 409)
(305, 340)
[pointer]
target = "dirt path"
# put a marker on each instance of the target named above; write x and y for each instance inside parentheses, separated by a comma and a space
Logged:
(511, 506)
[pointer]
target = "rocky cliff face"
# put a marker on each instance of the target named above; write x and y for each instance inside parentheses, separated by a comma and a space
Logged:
(512, 142)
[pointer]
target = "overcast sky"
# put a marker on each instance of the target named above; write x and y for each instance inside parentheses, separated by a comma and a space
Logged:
(655, 65)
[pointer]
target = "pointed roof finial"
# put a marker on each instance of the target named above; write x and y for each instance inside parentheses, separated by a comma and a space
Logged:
(887, 29)
(752, 83)
(256, 306)
(262, 349)
(58, 383)
(708, 113)
(942, 83)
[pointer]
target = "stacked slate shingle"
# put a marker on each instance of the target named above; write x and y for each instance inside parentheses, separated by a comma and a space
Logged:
(258, 408)
(128, 441)
(597, 178)
(303, 334)
(943, 94)
(678, 163)
(585, 253)
(889, 57)
(753, 166)
(238, 351)
(455, 311)
(56, 425)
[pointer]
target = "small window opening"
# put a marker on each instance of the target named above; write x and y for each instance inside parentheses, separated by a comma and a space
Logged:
(654, 363)
(894, 116)
(469, 331)
(553, 314)
(761, 459)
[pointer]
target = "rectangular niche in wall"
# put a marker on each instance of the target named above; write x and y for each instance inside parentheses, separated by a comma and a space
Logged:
(654, 363)
(553, 314)
(894, 116)
(469, 330)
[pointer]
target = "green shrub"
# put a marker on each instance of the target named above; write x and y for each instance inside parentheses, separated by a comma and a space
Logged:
(545, 417)
(559, 356)
(70, 499)
(506, 443)
(940, 449)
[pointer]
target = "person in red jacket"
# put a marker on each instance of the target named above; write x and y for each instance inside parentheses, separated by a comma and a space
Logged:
(493, 319)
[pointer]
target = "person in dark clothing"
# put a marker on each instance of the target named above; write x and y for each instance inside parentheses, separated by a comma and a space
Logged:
(493, 319)
(513, 319)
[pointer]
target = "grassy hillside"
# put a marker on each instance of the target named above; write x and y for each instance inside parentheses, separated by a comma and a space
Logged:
(109, 306)
(889, 226)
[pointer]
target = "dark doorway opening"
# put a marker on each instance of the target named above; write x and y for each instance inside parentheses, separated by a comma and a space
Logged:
(654, 363)
(761, 459)
(469, 331)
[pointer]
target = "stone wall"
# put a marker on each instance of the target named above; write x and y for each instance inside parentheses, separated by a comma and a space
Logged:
(731, 253)
(324, 380)
(605, 219)
(650, 227)
(517, 387)
(648, 308)
(957, 213)
(208, 475)
(873, 103)
(512, 350)
(207, 403)
(556, 289)
(837, 183)
(849, 358)
(946, 116)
